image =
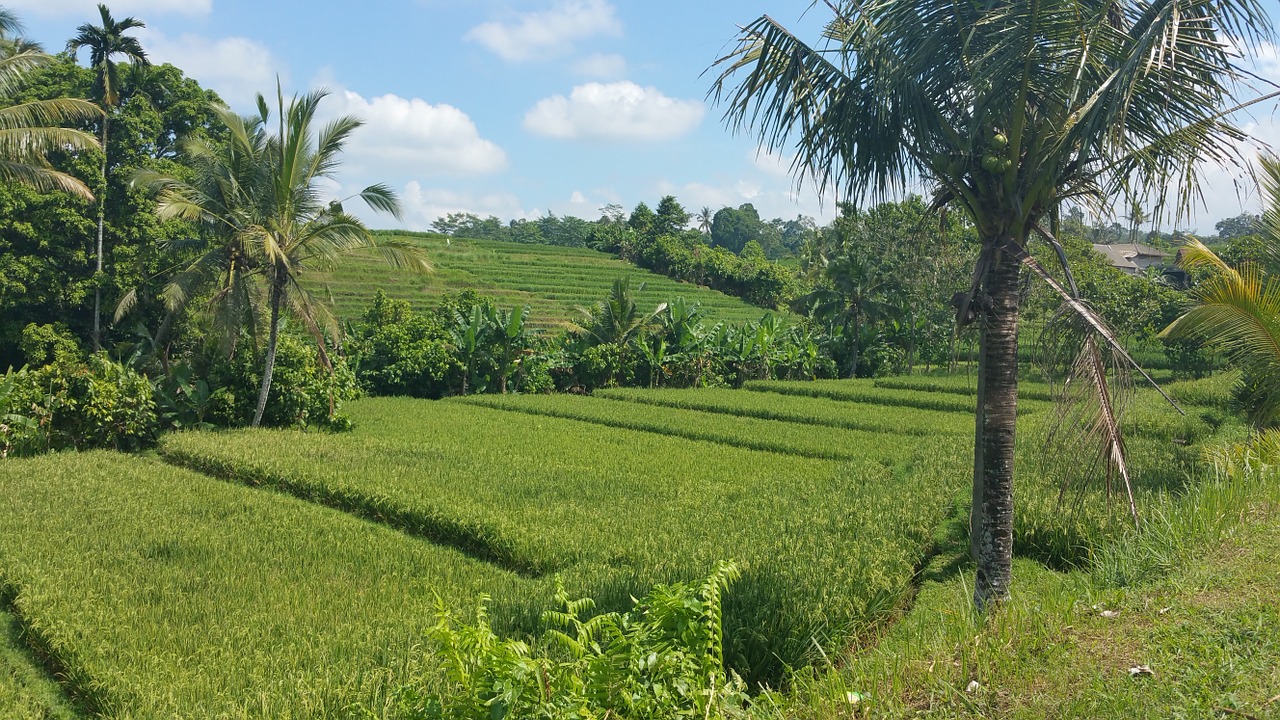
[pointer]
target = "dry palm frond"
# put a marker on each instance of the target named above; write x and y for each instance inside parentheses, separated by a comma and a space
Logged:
(1091, 403)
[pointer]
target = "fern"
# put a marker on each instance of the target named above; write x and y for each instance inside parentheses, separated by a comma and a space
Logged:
(662, 659)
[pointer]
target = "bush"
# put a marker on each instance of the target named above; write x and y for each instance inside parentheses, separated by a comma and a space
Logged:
(81, 404)
(663, 659)
(303, 391)
(398, 352)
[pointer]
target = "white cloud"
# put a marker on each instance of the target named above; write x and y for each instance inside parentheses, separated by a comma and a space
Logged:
(423, 206)
(236, 68)
(535, 35)
(614, 111)
(771, 163)
(120, 9)
(577, 198)
(601, 66)
(415, 138)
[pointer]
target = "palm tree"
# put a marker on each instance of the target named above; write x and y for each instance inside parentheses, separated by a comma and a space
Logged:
(705, 216)
(1238, 309)
(11, 40)
(618, 319)
(221, 198)
(1009, 110)
(260, 194)
(105, 43)
(31, 130)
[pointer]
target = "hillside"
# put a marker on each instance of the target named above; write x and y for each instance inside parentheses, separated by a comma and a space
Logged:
(552, 281)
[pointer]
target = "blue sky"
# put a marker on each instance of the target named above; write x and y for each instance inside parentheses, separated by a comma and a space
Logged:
(512, 107)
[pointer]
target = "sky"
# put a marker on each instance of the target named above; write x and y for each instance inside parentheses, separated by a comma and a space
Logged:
(517, 108)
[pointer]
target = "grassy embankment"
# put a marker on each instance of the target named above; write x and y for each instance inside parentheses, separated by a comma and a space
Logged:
(553, 281)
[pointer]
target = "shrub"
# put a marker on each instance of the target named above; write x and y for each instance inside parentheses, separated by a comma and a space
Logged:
(303, 391)
(662, 659)
(398, 352)
(81, 404)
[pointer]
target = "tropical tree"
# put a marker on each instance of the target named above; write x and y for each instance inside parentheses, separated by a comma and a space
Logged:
(29, 131)
(704, 217)
(106, 42)
(1238, 309)
(1009, 111)
(261, 194)
(618, 319)
(12, 41)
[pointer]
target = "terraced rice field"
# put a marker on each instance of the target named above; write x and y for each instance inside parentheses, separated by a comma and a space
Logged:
(290, 574)
(552, 281)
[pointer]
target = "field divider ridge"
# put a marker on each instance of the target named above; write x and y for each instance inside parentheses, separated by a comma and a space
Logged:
(875, 426)
(81, 692)
(480, 541)
(688, 433)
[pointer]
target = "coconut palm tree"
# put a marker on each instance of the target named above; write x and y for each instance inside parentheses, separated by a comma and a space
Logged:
(705, 216)
(618, 319)
(221, 198)
(30, 130)
(106, 42)
(1238, 309)
(1008, 110)
(260, 194)
(11, 40)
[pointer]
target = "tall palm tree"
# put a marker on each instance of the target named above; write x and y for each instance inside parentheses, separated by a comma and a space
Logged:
(1009, 110)
(261, 194)
(222, 198)
(106, 42)
(705, 216)
(1238, 309)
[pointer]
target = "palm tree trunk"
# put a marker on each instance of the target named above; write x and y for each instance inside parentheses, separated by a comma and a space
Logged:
(272, 338)
(102, 213)
(998, 373)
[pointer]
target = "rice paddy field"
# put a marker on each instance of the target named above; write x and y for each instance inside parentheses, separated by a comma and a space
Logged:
(552, 281)
(292, 574)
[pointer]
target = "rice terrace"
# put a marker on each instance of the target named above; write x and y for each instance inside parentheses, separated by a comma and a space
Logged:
(992, 435)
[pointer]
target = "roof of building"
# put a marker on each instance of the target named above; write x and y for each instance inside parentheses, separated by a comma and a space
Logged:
(1121, 255)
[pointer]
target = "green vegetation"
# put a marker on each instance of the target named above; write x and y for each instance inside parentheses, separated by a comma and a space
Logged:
(809, 540)
(1192, 600)
(162, 593)
(800, 409)
(548, 494)
(664, 658)
(26, 692)
(791, 438)
(553, 281)
(1012, 113)
(866, 391)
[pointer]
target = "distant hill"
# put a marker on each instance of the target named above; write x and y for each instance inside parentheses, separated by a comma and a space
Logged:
(552, 281)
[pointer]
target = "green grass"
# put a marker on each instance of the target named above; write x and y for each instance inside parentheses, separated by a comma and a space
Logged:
(552, 281)
(828, 548)
(161, 592)
(164, 593)
(801, 409)
(27, 692)
(789, 438)
(867, 391)
(1205, 622)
